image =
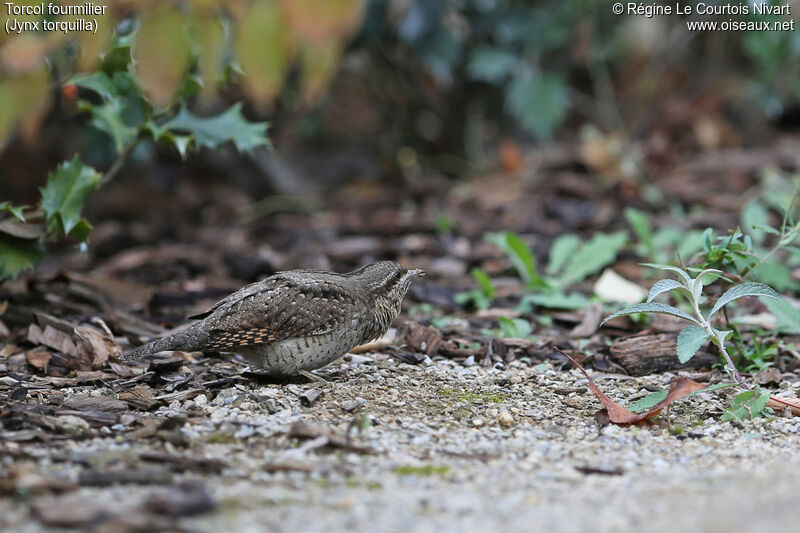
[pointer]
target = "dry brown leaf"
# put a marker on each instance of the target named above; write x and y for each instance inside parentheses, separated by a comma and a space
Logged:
(95, 346)
(778, 403)
(52, 338)
(621, 416)
(38, 358)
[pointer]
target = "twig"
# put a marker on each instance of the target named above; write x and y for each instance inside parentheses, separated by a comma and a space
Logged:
(117, 164)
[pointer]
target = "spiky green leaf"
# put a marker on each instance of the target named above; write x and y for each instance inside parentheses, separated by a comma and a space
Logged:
(15, 211)
(65, 194)
(18, 254)
(213, 132)
(98, 82)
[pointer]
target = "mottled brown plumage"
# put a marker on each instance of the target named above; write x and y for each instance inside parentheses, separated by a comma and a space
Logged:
(296, 320)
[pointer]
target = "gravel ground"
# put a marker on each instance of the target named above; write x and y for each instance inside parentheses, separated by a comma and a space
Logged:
(442, 447)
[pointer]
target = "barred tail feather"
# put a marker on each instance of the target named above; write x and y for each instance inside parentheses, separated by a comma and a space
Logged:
(188, 340)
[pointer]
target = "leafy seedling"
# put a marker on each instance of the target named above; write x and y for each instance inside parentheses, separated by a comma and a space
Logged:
(514, 328)
(746, 405)
(693, 336)
(520, 256)
(480, 297)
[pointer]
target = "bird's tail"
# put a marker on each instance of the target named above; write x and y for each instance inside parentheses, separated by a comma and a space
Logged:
(188, 340)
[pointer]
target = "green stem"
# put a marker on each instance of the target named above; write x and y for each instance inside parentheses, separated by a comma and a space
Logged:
(117, 164)
(706, 325)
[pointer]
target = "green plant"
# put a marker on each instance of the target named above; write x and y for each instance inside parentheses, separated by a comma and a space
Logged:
(665, 243)
(514, 328)
(571, 261)
(693, 336)
(130, 91)
(747, 404)
(756, 357)
(115, 104)
(480, 297)
(520, 257)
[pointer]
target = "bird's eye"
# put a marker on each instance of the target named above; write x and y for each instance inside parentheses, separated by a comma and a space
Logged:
(398, 275)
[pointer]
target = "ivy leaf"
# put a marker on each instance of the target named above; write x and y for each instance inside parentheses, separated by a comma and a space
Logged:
(664, 285)
(652, 307)
(213, 132)
(750, 288)
(690, 339)
(18, 254)
(65, 193)
(16, 212)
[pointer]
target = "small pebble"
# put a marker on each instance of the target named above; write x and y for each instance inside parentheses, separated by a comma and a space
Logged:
(70, 424)
(505, 420)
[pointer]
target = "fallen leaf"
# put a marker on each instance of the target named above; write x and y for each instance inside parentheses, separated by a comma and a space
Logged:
(38, 358)
(776, 402)
(95, 346)
(611, 287)
(621, 416)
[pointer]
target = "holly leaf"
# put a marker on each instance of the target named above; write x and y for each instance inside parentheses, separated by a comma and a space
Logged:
(15, 211)
(213, 132)
(64, 195)
(109, 118)
(98, 82)
(18, 254)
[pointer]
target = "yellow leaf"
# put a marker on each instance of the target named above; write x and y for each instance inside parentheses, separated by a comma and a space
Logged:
(91, 45)
(24, 96)
(322, 20)
(161, 53)
(319, 64)
(264, 47)
(209, 38)
(27, 52)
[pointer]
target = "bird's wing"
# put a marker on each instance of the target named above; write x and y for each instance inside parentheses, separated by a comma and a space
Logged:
(278, 309)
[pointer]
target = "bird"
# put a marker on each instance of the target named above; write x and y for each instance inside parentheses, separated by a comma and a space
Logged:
(298, 320)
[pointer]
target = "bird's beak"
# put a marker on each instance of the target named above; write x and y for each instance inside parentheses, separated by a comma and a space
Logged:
(417, 273)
